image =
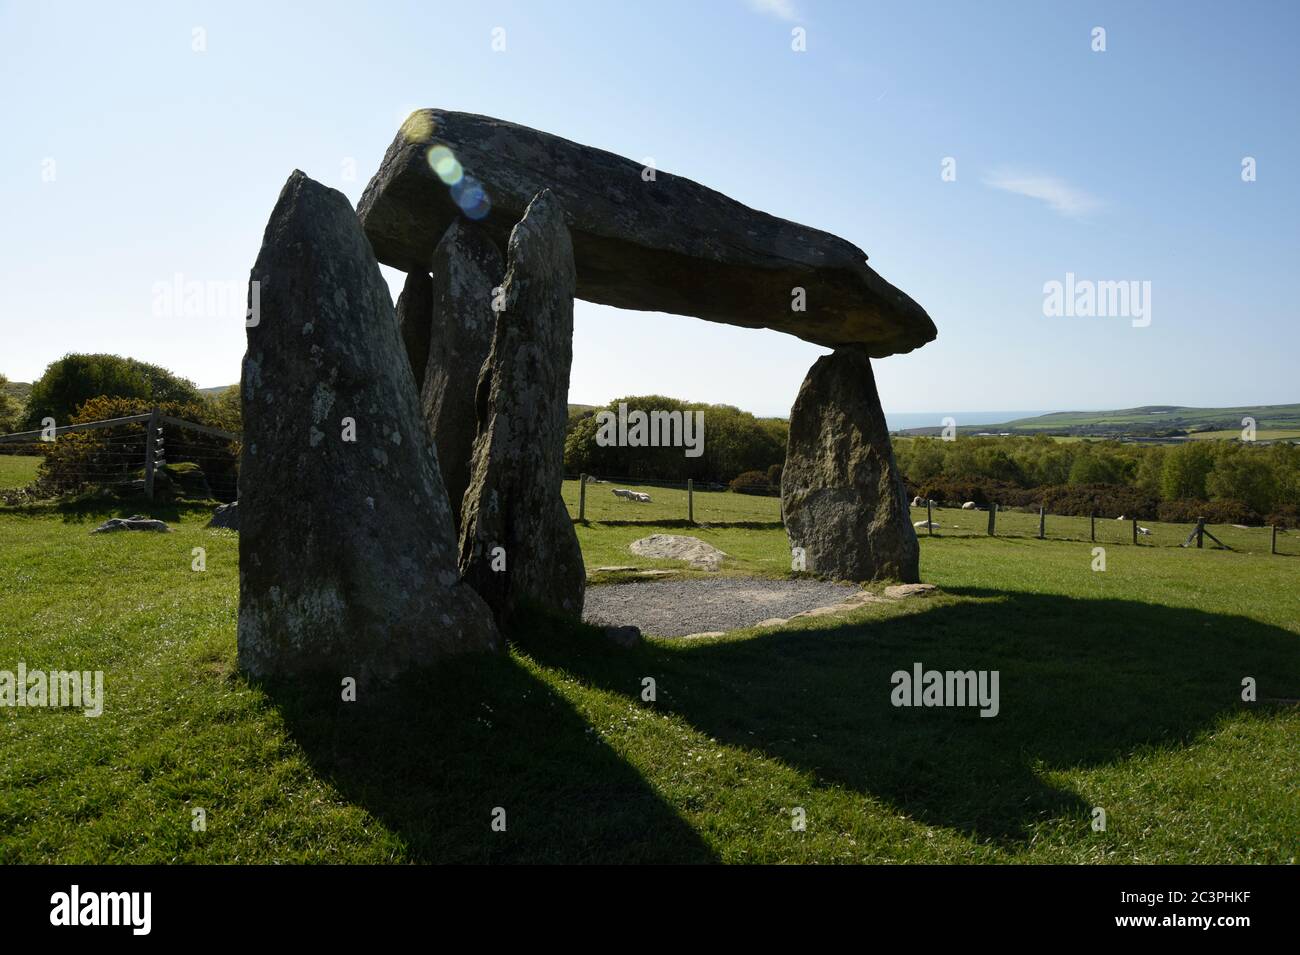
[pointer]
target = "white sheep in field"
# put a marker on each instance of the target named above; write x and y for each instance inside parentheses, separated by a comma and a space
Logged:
(1120, 518)
(641, 496)
(968, 506)
(623, 493)
(926, 524)
(1144, 531)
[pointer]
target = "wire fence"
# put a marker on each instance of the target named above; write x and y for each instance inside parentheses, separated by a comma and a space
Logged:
(149, 453)
(1123, 531)
(598, 499)
(605, 500)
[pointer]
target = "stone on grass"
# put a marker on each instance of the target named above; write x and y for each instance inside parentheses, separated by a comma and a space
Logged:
(138, 522)
(842, 493)
(701, 555)
(348, 563)
(226, 516)
(626, 637)
(901, 591)
(517, 541)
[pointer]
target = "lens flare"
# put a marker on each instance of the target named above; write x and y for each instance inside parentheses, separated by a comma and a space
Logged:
(444, 162)
(471, 197)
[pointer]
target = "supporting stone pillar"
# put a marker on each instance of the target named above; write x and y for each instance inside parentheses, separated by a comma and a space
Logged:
(841, 491)
(414, 308)
(467, 269)
(517, 542)
(347, 558)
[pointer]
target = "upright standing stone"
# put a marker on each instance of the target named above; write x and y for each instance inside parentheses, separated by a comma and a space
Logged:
(467, 268)
(347, 559)
(841, 492)
(513, 501)
(414, 318)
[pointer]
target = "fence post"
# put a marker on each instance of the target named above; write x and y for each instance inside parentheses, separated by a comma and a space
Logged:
(150, 452)
(1135, 530)
(582, 498)
(993, 518)
(929, 517)
(690, 500)
(1042, 522)
(1200, 533)
(1092, 521)
(1274, 548)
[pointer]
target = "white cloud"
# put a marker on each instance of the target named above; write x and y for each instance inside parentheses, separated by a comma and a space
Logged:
(1060, 196)
(781, 9)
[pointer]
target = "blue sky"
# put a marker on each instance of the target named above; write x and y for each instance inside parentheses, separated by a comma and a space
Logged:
(1116, 165)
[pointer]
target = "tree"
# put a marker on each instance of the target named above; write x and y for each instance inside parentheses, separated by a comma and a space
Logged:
(1185, 470)
(74, 379)
(10, 410)
(1244, 475)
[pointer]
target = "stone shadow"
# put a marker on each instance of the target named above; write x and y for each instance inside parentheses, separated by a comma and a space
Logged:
(432, 757)
(1082, 683)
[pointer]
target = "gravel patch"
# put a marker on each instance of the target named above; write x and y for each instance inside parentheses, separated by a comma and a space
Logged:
(674, 608)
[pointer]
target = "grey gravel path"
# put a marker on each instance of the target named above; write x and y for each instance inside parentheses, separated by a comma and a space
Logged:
(674, 608)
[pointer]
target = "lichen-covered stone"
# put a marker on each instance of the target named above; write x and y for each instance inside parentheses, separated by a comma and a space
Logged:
(643, 239)
(513, 501)
(347, 559)
(842, 495)
(414, 318)
(467, 267)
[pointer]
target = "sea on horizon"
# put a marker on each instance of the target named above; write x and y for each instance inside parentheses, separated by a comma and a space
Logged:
(903, 420)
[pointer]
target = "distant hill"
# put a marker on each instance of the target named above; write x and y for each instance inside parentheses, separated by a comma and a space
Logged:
(19, 389)
(1147, 422)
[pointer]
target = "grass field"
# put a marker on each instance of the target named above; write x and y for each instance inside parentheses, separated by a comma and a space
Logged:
(1266, 434)
(737, 514)
(1119, 690)
(17, 470)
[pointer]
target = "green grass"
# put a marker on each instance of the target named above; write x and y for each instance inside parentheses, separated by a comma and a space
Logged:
(1118, 689)
(17, 470)
(1234, 434)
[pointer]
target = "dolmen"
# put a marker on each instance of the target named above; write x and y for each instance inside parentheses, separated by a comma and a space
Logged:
(402, 466)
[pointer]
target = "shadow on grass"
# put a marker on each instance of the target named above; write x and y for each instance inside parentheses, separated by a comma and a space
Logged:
(99, 507)
(433, 757)
(1082, 683)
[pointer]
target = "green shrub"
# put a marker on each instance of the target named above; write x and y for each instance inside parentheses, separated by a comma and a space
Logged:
(752, 482)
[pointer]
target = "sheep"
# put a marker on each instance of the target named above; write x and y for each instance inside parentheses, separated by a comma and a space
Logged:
(1143, 530)
(968, 506)
(1120, 518)
(926, 524)
(623, 493)
(918, 501)
(641, 496)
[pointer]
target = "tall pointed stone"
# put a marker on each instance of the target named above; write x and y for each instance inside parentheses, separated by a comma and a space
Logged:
(513, 501)
(415, 318)
(841, 493)
(347, 559)
(467, 268)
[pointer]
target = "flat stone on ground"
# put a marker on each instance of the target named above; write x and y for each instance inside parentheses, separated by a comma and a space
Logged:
(700, 554)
